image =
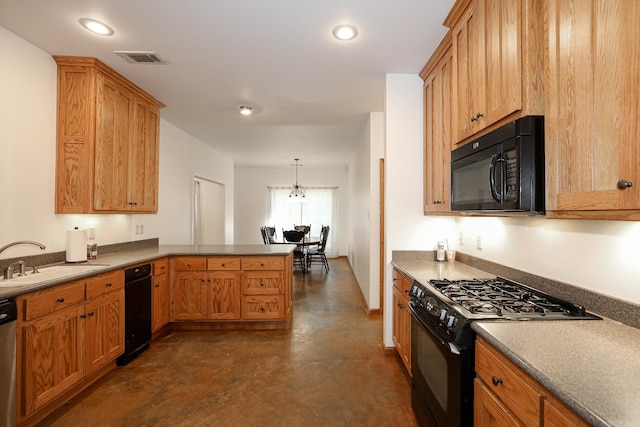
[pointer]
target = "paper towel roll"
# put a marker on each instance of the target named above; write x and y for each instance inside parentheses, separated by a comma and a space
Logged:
(76, 245)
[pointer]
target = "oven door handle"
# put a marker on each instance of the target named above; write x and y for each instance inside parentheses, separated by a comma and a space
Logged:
(453, 349)
(492, 177)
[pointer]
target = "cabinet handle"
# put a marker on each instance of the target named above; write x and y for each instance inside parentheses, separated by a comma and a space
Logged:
(91, 313)
(83, 316)
(400, 305)
(133, 203)
(496, 380)
(60, 299)
(222, 264)
(262, 264)
(109, 285)
(157, 285)
(262, 285)
(624, 184)
(188, 264)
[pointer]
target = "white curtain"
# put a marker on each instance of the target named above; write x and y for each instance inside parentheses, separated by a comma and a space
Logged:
(319, 208)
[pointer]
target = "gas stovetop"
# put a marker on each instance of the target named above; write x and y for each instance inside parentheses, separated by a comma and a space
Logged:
(449, 306)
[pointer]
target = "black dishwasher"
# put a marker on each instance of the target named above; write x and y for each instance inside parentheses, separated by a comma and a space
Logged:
(137, 312)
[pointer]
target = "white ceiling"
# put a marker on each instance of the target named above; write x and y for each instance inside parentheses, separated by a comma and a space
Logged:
(311, 93)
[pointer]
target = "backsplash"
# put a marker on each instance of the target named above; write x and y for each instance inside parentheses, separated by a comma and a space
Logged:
(56, 257)
(604, 305)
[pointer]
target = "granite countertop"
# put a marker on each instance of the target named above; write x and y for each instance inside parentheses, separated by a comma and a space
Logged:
(117, 260)
(592, 366)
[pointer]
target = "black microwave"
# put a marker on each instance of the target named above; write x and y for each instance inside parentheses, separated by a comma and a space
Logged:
(501, 172)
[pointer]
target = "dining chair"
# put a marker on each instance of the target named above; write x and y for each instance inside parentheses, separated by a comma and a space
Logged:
(263, 232)
(317, 254)
(271, 233)
(299, 256)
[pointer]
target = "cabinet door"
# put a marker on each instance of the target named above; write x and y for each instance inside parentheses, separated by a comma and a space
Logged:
(487, 44)
(402, 328)
(143, 159)
(189, 295)
(488, 411)
(114, 114)
(468, 59)
(160, 305)
(591, 107)
(224, 295)
(437, 137)
(53, 356)
(558, 415)
(104, 339)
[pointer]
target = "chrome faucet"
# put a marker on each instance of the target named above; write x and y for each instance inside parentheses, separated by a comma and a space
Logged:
(8, 272)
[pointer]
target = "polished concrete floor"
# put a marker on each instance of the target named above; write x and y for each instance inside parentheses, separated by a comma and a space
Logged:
(330, 369)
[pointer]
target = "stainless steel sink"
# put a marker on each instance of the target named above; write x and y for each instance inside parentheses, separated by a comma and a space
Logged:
(53, 272)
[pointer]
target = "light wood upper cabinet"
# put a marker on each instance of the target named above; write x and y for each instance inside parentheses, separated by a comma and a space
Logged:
(497, 62)
(437, 75)
(107, 141)
(591, 109)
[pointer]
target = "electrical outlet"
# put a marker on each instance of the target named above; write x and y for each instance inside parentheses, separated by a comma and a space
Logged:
(139, 229)
(479, 242)
(460, 239)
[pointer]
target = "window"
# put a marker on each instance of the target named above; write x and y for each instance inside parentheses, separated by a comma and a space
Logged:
(319, 208)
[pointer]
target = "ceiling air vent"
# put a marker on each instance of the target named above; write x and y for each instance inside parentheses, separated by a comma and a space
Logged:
(141, 57)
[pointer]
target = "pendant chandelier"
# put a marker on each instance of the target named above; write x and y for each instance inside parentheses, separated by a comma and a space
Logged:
(297, 192)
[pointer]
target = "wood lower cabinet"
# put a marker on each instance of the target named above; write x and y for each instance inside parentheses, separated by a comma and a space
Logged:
(504, 395)
(591, 109)
(402, 317)
(66, 334)
(52, 357)
(230, 288)
(107, 141)
(160, 304)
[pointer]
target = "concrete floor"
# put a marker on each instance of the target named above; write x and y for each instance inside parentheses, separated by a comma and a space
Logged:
(330, 369)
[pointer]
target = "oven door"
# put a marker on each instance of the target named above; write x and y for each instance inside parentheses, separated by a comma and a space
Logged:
(442, 378)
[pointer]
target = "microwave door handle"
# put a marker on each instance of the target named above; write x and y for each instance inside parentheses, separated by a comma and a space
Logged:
(492, 176)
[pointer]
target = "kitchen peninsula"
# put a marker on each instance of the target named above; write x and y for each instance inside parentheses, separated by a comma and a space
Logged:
(70, 329)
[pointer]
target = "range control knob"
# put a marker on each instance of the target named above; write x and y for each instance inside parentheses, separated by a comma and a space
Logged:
(443, 314)
(451, 322)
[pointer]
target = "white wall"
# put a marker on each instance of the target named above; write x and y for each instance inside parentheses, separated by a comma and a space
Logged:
(601, 256)
(364, 219)
(406, 227)
(28, 83)
(252, 198)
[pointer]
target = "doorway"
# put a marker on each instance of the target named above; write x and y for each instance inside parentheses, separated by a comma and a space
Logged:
(207, 219)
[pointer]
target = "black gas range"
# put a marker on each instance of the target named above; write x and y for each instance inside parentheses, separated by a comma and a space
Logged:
(442, 339)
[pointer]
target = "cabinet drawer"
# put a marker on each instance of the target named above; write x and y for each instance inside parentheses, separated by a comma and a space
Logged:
(104, 283)
(263, 307)
(189, 263)
(262, 282)
(56, 299)
(402, 282)
(223, 263)
(160, 266)
(507, 382)
(263, 263)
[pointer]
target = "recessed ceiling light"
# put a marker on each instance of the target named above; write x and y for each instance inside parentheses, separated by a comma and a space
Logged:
(245, 110)
(96, 27)
(345, 32)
